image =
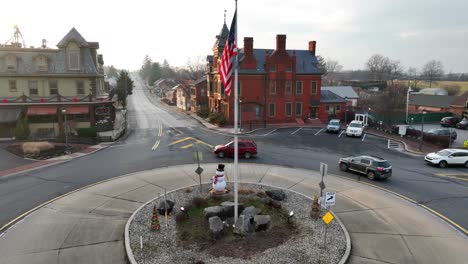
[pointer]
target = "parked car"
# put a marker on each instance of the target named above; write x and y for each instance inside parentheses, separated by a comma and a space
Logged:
(334, 126)
(247, 149)
(446, 157)
(449, 121)
(373, 167)
(355, 128)
(463, 124)
(443, 132)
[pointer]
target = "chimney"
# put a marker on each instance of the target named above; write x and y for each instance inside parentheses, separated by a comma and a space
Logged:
(312, 47)
(280, 42)
(248, 46)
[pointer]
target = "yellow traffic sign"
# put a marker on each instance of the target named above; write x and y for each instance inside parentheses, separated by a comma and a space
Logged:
(327, 218)
(465, 143)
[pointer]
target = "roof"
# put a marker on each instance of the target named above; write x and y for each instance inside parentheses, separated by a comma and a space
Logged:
(342, 91)
(209, 58)
(330, 97)
(306, 62)
(9, 115)
(443, 101)
(74, 35)
(221, 38)
(461, 99)
(433, 91)
(200, 80)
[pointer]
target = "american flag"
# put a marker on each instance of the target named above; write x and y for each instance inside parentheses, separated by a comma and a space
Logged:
(229, 55)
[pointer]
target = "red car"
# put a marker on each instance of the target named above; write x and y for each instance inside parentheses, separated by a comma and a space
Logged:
(247, 149)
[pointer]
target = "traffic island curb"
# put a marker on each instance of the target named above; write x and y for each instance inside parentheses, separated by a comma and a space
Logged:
(400, 141)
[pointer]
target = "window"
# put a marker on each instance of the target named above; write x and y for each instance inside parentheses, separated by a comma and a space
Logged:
(327, 108)
(257, 111)
(80, 87)
(273, 68)
(288, 87)
(288, 68)
(288, 109)
(272, 87)
(338, 107)
(33, 88)
(298, 109)
(272, 109)
(53, 88)
(11, 63)
(365, 161)
(12, 84)
(78, 117)
(239, 88)
(299, 87)
(41, 63)
(73, 60)
(313, 88)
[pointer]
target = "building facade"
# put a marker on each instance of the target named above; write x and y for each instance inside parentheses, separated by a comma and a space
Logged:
(198, 94)
(275, 85)
(45, 84)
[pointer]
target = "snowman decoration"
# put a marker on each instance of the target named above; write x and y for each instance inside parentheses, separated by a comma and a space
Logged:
(219, 184)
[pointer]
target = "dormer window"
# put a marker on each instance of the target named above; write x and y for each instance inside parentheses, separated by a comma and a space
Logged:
(41, 63)
(273, 68)
(73, 60)
(11, 63)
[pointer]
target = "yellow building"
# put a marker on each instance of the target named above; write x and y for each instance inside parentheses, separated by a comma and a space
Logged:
(45, 84)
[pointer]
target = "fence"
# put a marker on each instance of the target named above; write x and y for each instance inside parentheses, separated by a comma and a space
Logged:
(429, 117)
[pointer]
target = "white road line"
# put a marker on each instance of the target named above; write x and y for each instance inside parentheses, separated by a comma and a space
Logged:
(155, 146)
(342, 131)
(270, 132)
(296, 131)
(363, 137)
(388, 144)
(318, 132)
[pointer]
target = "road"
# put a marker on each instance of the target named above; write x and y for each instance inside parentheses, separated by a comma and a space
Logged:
(161, 136)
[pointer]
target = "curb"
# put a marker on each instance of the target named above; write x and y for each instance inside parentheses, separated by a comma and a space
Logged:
(131, 257)
(399, 140)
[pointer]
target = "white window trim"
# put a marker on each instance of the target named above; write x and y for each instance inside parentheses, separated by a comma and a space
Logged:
(286, 109)
(302, 87)
(285, 88)
(311, 88)
(295, 109)
(269, 110)
(273, 85)
(69, 60)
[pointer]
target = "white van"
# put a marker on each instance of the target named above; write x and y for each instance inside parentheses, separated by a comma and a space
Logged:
(355, 128)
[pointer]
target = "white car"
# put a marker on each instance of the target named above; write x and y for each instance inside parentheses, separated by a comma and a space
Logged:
(355, 128)
(446, 157)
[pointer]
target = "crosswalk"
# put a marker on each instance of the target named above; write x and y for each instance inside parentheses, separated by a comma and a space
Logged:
(392, 144)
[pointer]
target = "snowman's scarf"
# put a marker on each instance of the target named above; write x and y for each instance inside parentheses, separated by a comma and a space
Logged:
(216, 178)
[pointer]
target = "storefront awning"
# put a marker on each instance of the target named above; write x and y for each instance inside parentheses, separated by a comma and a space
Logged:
(42, 110)
(77, 109)
(9, 115)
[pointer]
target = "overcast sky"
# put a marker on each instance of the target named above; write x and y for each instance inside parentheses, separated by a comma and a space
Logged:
(350, 31)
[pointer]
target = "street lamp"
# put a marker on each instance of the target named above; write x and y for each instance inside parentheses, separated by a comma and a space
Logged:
(346, 110)
(407, 103)
(422, 128)
(240, 115)
(64, 113)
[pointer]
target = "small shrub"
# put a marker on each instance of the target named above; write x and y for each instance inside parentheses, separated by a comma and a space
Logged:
(204, 112)
(21, 130)
(90, 132)
(199, 202)
(180, 217)
(245, 191)
(189, 190)
(261, 194)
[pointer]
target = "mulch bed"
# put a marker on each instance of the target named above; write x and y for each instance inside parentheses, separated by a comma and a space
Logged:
(59, 150)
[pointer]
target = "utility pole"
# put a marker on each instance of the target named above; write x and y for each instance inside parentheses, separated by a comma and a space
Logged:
(407, 103)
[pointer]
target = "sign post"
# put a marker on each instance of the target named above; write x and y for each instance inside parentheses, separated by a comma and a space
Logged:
(323, 172)
(199, 170)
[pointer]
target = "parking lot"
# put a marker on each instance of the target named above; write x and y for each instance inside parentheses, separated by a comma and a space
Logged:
(462, 134)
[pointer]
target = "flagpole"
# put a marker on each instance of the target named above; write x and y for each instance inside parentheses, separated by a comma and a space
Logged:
(236, 117)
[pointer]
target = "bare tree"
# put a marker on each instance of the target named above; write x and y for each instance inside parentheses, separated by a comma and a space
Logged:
(413, 77)
(379, 67)
(432, 71)
(196, 67)
(395, 70)
(332, 66)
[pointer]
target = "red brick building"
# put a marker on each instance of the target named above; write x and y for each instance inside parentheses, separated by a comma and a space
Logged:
(275, 85)
(198, 94)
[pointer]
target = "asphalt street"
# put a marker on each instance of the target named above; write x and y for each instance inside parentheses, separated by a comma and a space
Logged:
(161, 136)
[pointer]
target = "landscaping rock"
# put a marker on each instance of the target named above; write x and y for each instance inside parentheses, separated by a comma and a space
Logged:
(216, 226)
(262, 222)
(266, 200)
(244, 225)
(162, 207)
(278, 195)
(251, 211)
(275, 204)
(213, 211)
(228, 208)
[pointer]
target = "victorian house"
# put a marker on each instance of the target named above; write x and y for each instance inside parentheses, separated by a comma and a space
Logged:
(50, 85)
(275, 85)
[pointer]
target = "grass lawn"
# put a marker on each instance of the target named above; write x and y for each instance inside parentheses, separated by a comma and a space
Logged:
(463, 85)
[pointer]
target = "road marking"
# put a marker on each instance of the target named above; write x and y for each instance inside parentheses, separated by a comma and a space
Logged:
(393, 144)
(456, 176)
(270, 132)
(296, 131)
(318, 132)
(156, 145)
(191, 138)
(160, 130)
(363, 137)
(342, 131)
(187, 146)
(204, 143)
(180, 140)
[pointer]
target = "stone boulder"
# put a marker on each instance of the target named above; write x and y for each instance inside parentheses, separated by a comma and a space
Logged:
(213, 211)
(244, 225)
(275, 204)
(216, 227)
(266, 200)
(278, 195)
(251, 211)
(162, 207)
(228, 208)
(262, 222)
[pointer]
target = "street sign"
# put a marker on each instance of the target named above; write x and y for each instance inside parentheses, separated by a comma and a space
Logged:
(330, 198)
(322, 185)
(198, 155)
(323, 169)
(199, 170)
(327, 218)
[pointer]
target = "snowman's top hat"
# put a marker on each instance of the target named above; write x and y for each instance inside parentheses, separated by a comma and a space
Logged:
(220, 167)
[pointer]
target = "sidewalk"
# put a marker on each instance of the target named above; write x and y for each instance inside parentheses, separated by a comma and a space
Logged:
(46, 163)
(87, 226)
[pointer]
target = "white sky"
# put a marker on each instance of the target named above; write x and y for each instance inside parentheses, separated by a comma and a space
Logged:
(350, 31)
